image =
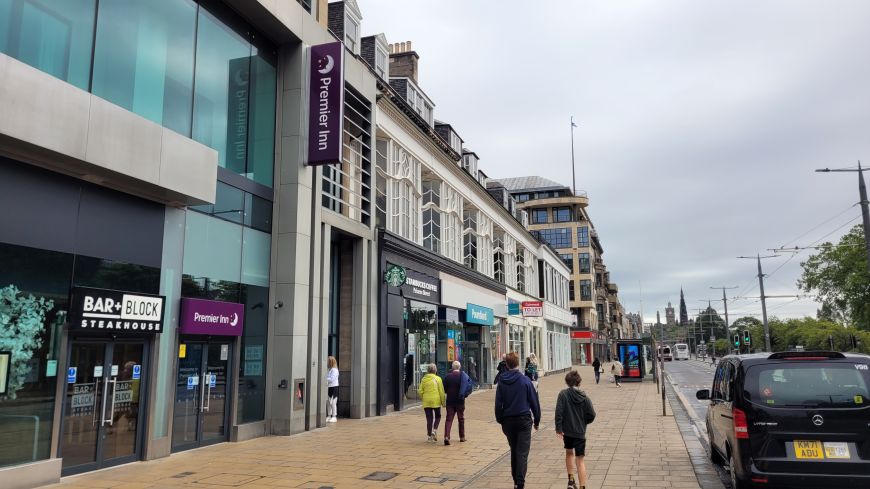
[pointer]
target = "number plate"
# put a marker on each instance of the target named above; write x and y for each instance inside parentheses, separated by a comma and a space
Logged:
(808, 449)
(836, 450)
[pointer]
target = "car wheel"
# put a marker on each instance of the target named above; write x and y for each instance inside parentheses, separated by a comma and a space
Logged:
(736, 483)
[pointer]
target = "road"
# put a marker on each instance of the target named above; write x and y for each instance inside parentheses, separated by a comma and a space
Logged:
(688, 377)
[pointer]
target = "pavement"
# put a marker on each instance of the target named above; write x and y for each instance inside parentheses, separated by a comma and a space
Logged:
(630, 444)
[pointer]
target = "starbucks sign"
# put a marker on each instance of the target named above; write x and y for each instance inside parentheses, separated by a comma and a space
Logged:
(395, 276)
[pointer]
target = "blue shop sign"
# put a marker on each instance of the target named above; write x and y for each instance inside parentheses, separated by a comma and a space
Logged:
(514, 308)
(475, 314)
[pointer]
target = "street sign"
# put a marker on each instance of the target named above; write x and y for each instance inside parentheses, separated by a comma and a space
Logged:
(71, 375)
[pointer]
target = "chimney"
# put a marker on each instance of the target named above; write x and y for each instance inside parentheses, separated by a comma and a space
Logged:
(404, 61)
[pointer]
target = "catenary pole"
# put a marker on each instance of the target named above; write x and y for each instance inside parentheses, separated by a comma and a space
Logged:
(758, 258)
(865, 211)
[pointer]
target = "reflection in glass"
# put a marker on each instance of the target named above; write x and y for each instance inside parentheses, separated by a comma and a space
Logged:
(34, 289)
(220, 110)
(252, 370)
(143, 59)
(54, 36)
(421, 328)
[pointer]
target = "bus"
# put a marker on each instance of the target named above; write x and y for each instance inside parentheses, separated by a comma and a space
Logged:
(682, 351)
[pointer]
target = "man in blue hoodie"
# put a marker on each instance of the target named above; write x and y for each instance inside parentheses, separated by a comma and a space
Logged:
(517, 410)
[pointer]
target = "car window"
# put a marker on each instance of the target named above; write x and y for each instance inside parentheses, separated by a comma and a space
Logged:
(717, 383)
(816, 384)
(728, 386)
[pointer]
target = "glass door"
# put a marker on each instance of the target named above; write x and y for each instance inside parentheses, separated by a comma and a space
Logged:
(200, 415)
(101, 422)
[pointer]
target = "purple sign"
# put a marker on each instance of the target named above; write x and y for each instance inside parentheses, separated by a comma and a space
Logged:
(326, 104)
(199, 316)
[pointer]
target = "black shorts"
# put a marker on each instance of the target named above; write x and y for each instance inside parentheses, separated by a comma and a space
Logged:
(578, 444)
(332, 391)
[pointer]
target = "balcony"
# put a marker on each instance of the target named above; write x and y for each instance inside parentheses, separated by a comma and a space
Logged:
(579, 198)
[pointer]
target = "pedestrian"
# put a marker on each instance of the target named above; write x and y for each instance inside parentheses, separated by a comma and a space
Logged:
(616, 369)
(532, 369)
(517, 410)
(431, 390)
(500, 369)
(457, 386)
(573, 412)
(331, 390)
(596, 365)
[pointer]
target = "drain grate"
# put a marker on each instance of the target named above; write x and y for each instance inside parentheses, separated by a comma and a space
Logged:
(431, 480)
(182, 475)
(380, 476)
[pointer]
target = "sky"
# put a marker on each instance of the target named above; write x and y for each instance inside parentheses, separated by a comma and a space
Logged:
(700, 125)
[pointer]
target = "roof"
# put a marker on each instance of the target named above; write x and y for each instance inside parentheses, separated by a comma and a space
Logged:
(519, 184)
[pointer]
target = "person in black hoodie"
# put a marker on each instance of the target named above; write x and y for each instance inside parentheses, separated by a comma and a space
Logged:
(573, 412)
(517, 410)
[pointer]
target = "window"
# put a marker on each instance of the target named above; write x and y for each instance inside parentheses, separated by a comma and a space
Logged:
(381, 151)
(539, 216)
(405, 203)
(583, 236)
(54, 37)
(143, 59)
(568, 260)
(571, 290)
(351, 34)
(557, 237)
(498, 257)
(381, 66)
(585, 264)
(808, 384)
(522, 197)
(521, 268)
(585, 290)
(346, 187)
(469, 241)
(562, 214)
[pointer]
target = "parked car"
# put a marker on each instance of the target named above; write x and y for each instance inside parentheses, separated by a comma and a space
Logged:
(791, 419)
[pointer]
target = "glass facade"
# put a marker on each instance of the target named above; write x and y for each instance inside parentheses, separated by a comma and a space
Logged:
(556, 237)
(539, 216)
(54, 36)
(585, 263)
(583, 236)
(141, 56)
(562, 214)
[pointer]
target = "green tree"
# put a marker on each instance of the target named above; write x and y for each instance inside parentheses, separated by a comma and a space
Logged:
(755, 328)
(837, 277)
(710, 318)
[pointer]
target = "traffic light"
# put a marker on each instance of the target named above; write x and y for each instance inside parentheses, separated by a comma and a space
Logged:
(736, 340)
(747, 340)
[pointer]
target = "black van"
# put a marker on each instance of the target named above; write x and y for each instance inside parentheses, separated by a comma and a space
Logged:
(791, 419)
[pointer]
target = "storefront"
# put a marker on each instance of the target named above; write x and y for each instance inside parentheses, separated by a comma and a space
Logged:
(432, 311)
(80, 313)
(205, 373)
(588, 345)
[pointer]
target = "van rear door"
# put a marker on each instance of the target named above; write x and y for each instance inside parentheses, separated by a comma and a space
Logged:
(809, 415)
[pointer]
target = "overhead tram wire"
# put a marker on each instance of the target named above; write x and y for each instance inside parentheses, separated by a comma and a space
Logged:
(820, 225)
(795, 253)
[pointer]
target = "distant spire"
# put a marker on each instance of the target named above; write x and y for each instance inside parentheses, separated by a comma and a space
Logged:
(684, 314)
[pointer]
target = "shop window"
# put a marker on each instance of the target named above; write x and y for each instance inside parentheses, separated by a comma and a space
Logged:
(34, 290)
(212, 248)
(252, 367)
(109, 274)
(143, 59)
(52, 36)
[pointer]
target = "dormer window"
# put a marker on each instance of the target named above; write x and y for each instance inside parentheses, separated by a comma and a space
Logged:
(351, 33)
(381, 65)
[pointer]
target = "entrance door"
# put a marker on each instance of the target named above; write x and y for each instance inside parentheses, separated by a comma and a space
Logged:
(200, 415)
(102, 421)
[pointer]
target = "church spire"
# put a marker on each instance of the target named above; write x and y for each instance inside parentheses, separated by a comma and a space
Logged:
(684, 314)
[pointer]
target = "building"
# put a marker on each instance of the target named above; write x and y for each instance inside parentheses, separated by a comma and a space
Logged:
(176, 272)
(670, 316)
(457, 264)
(559, 217)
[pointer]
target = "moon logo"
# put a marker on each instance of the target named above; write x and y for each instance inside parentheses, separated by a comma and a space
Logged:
(235, 320)
(240, 78)
(329, 64)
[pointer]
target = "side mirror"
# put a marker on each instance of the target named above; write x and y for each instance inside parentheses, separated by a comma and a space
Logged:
(703, 394)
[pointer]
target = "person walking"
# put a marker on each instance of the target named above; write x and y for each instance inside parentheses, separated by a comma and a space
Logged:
(500, 369)
(531, 370)
(517, 410)
(432, 392)
(596, 365)
(457, 386)
(573, 412)
(616, 369)
(331, 390)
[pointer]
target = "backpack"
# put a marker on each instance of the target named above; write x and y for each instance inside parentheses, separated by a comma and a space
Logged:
(465, 386)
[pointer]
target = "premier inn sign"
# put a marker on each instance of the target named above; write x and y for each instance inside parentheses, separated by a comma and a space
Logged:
(326, 104)
(116, 312)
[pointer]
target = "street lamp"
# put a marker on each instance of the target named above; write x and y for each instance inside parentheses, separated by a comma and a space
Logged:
(865, 212)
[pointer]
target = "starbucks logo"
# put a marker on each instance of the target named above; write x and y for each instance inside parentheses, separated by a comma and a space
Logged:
(395, 276)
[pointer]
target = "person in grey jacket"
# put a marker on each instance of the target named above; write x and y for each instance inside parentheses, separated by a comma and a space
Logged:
(573, 412)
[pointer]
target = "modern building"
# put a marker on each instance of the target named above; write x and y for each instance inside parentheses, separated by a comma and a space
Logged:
(560, 218)
(175, 274)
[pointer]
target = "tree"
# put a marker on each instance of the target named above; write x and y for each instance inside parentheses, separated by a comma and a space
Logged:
(21, 323)
(707, 318)
(837, 276)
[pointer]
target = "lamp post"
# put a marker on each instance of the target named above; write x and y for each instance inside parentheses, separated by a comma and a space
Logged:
(862, 192)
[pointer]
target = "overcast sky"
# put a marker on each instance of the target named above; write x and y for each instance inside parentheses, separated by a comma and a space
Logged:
(700, 124)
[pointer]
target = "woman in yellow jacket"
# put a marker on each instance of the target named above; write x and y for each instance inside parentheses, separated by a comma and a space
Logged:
(431, 390)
